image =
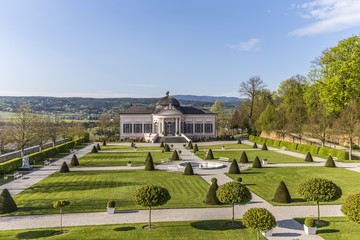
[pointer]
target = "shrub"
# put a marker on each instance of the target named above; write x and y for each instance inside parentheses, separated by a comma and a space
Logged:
(251, 138)
(196, 148)
(148, 156)
(7, 203)
(175, 156)
(239, 179)
(162, 144)
(264, 147)
(188, 169)
(239, 141)
(190, 145)
(324, 152)
(98, 147)
(314, 150)
(209, 155)
(244, 158)
(234, 168)
(308, 158)
(74, 161)
(276, 143)
(94, 149)
(259, 219)
(211, 197)
(64, 168)
(149, 166)
(303, 148)
(257, 163)
(255, 145)
(330, 162)
(309, 222)
(282, 194)
(342, 155)
(10, 165)
(111, 204)
(104, 143)
(351, 208)
(167, 148)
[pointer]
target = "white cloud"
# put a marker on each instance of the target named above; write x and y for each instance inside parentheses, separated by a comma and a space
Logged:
(252, 44)
(140, 85)
(329, 16)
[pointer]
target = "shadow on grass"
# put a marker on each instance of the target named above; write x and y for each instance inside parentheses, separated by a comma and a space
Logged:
(218, 225)
(327, 231)
(35, 234)
(124, 229)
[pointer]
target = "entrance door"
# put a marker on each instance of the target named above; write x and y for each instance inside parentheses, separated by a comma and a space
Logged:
(169, 128)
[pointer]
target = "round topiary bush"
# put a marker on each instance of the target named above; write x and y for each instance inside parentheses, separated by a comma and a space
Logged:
(259, 219)
(167, 148)
(104, 143)
(239, 141)
(111, 204)
(149, 166)
(282, 194)
(74, 161)
(94, 149)
(234, 168)
(330, 162)
(257, 163)
(244, 158)
(264, 147)
(162, 144)
(255, 145)
(309, 158)
(98, 147)
(351, 208)
(175, 156)
(209, 155)
(188, 170)
(211, 197)
(64, 168)
(7, 203)
(148, 156)
(309, 222)
(239, 179)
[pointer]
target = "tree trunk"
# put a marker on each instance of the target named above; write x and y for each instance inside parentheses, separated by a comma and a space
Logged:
(300, 140)
(22, 151)
(350, 149)
(60, 220)
(322, 144)
(318, 208)
(258, 235)
(233, 214)
(149, 217)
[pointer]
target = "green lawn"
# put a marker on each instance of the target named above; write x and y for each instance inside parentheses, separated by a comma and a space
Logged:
(336, 228)
(89, 191)
(127, 148)
(106, 159)
(272, 157)
(264, 181)
(227, 146)
(208, 229)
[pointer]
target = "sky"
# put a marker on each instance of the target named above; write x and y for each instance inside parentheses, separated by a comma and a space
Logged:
(142, 48)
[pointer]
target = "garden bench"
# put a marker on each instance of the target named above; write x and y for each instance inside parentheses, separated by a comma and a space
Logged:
(165, 160)
(5, 177)
(17, 175)
(224, 159)
(46, 162)
(73, 151)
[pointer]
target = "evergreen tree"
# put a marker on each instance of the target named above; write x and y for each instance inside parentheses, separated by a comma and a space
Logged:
(264, 147)
(64, 168)
(98, 147)
(196, 148)
(330, 162)
(7, 203)
(162, 144)
(211, 197)
(149, 166)
(94, 149)
(282, 194)
(234, 168)
(167, 148)
(239, 141)
(244, 158)
(257, 163)
(104, 143)
(175, 156)
(255, 145)
(190, 145)
(209, 155)
(188, 169)
(74, 161)
(308, 158)
(148, 157)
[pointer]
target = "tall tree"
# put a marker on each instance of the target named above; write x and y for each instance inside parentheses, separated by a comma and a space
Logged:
(4, 135)
(40, 128)
(219, 109)
(240, 118)
(266, 120)
(54, 129)
(280, 122)
(297, 120)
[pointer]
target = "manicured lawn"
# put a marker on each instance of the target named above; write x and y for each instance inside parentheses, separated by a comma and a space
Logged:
(227, 146)
(264, 181)
(209, 229)
(103, 159)
(127, 148)
(272, 157)
(89, 191)
(336, 228)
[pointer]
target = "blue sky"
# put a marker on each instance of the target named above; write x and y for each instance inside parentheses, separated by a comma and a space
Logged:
(144, 48)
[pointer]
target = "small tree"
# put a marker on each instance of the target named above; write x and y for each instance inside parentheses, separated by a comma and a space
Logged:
(94, 149)
(167, 148)
(351, 208)
(175, 156)
(148, 156)
(151, 196)
(190, 145)
(330, 162)
(98, 147)
(259, 219)
(244, 158)
(162, 144)
(149, 166)
(209, 155)
(239, 141)
(233, 193)
(319, 190)
(255, 145)
(74, 161)
(188, 169)
(61, 204)
(211, 197)
(257, 163)
(64, 168)
(104, 143)
(234, 168)
(309, 158)
(282, 194)
(196, 149)
(264, 147)
(7, 203)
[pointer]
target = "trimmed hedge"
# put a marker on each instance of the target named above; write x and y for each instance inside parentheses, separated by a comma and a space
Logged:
(10, 165)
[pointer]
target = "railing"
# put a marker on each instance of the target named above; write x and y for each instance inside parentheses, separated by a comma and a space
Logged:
(186, 138)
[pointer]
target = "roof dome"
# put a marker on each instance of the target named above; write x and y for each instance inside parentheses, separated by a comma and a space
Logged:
(167, 100)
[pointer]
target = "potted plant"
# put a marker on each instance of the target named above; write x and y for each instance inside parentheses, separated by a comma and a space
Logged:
(177, 133)
(265, 161)
(239, 179)
(194, 152)
(309, 226)
(129, 164)
(223, 148)
(111, 207)
(135, 148)
(184, 145)
(172, 146)
(179, 152)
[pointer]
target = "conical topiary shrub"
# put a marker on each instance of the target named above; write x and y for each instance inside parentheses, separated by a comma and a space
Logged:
(309, 158)
(264, 147)
(7, 203)
(162, 144)
(175, 156)
(188, 170)
(104, 143)
(190, 145)
(149, 166)
(244, 158)
(234, 168)
(239, 141)
(211, 197)
(257, 163)
(282, 194)
(330, 162)
(209, 155)
(94, 149)
(74, 161)
(98, 147)
(64, 168)
(148, 156)
(167, 148)
(196, 148)
(255, 145)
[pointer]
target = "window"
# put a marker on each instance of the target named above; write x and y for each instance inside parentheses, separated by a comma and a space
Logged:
(138, 128)
(147, 128)
(127, 128)
(188, 127)
(208, 127)
(198, 127)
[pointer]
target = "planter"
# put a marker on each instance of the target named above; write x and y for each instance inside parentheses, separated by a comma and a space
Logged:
(129, 164)
(223, 148)
(267, 233)
(310, 230)
(265, 162)
(193, 154)
(110, 210)
(135, 149)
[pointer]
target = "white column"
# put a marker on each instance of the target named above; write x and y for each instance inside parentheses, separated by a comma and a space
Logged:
(162, 125)
(176, 125)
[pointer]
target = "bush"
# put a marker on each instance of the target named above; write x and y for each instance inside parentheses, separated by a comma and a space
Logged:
(351, 207)
(94, 149)
(255, 145)
(104, 143)
(64, 168)
(190, 145)
(188, 169)
(209, 155)
(308, 158)
(148, 156)
(98, 147)
(289, 145)
(167, 148)
(111, 204)
(234, 168)
(244, 158)
(330, 162)
(251, 138)
(257, 163)
(7, 203)
(264, 147)
(196, 148)
(162, 144)
(149, 166)
(259, 219)
(303, 148)
(10, 165)
(324, 152)
(74, 161)
(309, 222)
(211, 197)
(175, 156)
(239, 179)
(239, 141)
(276, 143)
(342, 155)
(282, 194)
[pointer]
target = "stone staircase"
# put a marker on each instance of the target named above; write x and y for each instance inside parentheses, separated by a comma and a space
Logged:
(171, 140)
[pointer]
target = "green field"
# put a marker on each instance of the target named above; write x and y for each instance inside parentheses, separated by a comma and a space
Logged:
(272, 157)
(89, 191)
(106, 159)
(264, 181)
(127, 148)
(208, 229)
(227, 146)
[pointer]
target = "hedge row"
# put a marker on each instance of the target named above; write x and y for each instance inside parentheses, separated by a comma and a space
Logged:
(314, 150)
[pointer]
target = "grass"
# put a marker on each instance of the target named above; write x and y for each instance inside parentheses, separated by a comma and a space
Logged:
(208, 229)
(336, 228)
(106, 159)
(227, 146)
(127, 148)
(89, 191)
(272, 157)
(264, 181)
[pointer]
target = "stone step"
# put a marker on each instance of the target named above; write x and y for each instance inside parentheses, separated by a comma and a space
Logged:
(171, 140)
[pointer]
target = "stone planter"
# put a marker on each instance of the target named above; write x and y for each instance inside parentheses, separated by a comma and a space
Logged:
(267, 233)
(110, 210)
(129, 164)
(223, 148)
(135, 149)
(310, 230)
(265, 162)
